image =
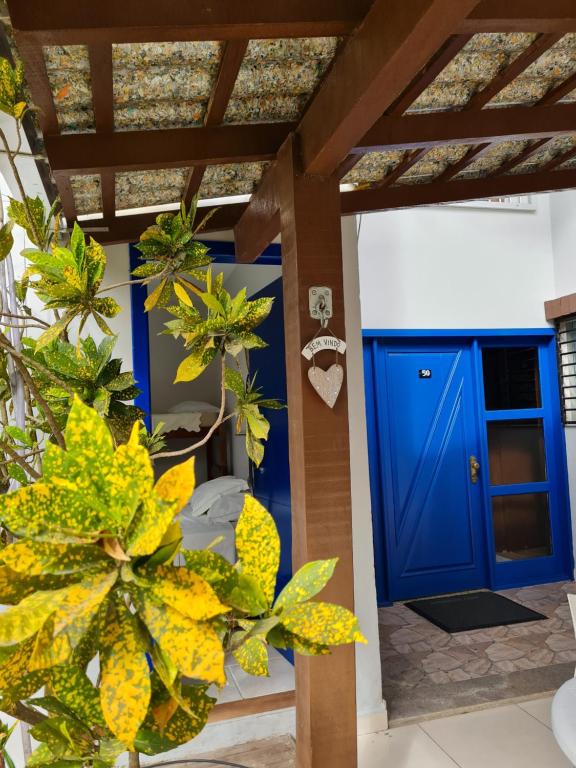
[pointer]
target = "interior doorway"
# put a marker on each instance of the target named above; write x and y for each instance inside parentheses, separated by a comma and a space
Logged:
(467, 462)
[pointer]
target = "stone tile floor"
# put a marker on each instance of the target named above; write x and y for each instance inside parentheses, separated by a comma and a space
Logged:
(426, 670)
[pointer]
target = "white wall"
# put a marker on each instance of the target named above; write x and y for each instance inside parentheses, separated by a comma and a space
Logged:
(562, 209)
(456, 267)
(368, 673)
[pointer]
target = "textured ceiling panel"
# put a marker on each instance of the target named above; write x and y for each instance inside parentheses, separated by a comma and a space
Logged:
(492, 159)
(277, 77)
(68, 70)
(373, 167)
(163, 85)
(87, 194)
(434, 163)
(547, 153)
(144, 188)
(234, 179)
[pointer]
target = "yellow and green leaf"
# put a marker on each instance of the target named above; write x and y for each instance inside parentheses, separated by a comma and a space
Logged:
(184, 591)
(252, 656)
(177, 484)
(322, 623)
(306, 583)
(125, 685)
(193, 646)
(258, 545)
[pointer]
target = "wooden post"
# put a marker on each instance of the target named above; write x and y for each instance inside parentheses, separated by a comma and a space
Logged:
(319, 456)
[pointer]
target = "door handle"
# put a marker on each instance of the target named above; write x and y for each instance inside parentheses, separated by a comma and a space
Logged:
(474, 469)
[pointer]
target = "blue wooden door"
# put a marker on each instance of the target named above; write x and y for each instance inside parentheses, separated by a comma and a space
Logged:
(272, 479)
(429, 437)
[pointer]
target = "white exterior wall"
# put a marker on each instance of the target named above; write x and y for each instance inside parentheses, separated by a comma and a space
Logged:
(456, 267)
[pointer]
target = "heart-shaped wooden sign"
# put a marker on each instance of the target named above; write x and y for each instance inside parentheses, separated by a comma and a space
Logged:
(327, 383)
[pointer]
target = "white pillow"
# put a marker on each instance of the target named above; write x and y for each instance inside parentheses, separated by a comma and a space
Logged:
(206, 494)
(193, 406)
(227, 507)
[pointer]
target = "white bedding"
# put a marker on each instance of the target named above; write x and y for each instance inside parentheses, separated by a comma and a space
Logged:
(190, 415)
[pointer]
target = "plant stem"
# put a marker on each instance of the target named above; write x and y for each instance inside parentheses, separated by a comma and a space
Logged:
(133, 760)
(16, 172)
(219, 421)
(34, 364)
(17, 459)
(50, 418)
(32, 318)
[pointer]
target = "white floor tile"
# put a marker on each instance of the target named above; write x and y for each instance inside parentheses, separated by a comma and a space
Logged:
(540, 709)
(503, 737)
(281, 679)
(230, 692)
(405, 747)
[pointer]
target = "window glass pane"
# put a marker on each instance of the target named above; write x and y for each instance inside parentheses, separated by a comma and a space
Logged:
(521, 526)
(516, 451)
(511, 378)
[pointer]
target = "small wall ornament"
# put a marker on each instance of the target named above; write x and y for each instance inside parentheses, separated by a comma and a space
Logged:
(327, 383)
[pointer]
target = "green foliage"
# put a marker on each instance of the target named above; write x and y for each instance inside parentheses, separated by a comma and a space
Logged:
(90, 372)
(173, 256)
(12, 89)
(68, 279)
(91, 572)
(249, 401)
(228, 327)
(40, 225)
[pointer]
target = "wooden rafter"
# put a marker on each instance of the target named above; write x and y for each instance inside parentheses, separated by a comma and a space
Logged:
(521, 16)
(391, 46)
(429, 73)
(68, 22)
(101, 76)
(232, 57)
(478, 101)
(469, 127)
(409, 195)
(87, 153)
(105, 151)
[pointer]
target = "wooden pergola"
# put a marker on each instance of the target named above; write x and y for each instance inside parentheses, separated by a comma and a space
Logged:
(416, 103)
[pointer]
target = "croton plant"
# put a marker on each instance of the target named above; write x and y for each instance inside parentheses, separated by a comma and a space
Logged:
(112, 637)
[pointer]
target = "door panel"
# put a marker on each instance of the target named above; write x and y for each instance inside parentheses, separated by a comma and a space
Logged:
(432, 507)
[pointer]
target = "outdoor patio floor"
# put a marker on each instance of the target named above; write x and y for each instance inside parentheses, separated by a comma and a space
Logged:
(511, 736)
(426, 671)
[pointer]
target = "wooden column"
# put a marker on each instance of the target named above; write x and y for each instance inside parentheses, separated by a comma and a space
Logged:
(319, 456)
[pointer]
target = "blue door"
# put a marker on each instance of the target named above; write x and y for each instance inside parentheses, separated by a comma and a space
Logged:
(431, 444)
(272, 478)
(467, 463)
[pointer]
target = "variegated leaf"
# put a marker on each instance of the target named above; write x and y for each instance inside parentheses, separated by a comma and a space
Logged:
(306, 583)
(87, 433)
(125, 684)
(322, 623)
(252, 656)
(74, 689)
(258, 545)
(214, 568)
(193, 646)
(177, 484)
(35, 558)
(185, 591)
(152, 520)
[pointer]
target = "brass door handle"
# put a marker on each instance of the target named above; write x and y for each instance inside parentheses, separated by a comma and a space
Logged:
(474, 469)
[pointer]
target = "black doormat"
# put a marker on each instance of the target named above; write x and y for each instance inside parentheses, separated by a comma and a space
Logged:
(473, 610)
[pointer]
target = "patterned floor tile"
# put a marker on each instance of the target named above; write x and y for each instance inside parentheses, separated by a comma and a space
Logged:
(416, 653)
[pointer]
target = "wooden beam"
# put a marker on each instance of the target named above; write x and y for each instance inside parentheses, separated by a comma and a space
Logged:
(469, 127)
(521, 16)
(409, 195)
(425, 77)
(260, 222)
(101, 77)
(231, 61)
(319, 457)
(518, 159)
(68, 22)
(88, 153)
(392, 45)
(127, 229)
(66, 197)
(229, 710)
(558, 160)
(497, 84)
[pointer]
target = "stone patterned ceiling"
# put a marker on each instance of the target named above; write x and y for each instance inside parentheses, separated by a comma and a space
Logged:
(167, 85)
